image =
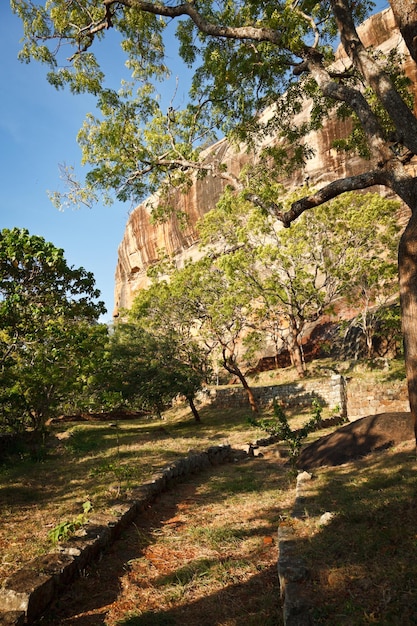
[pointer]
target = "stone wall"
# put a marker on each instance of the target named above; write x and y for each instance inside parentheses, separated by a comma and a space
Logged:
(350, 398)
(366, 398)
(329, 392)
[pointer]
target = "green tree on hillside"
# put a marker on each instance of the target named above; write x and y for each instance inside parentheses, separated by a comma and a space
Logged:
(245, 56)
(49, 337)
(146, 371)
(201, 302)
(294, 275)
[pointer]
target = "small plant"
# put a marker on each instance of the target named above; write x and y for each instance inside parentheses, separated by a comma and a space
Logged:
(63, 530)
(280, 427)
(317, 411)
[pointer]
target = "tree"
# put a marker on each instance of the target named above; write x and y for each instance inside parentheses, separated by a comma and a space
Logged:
(201, 302)
(49, 338)
(157, 310)
(146, 371)
(291, 277)
(247, 56)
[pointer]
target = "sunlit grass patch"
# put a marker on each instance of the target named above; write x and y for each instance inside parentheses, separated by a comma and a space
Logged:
(212, 556)
(99, 461)
(217, 537)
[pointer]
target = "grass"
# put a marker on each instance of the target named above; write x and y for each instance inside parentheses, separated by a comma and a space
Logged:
(205, 553)
(378, 370)
(98, 462)
(364, 561)
(210, 548)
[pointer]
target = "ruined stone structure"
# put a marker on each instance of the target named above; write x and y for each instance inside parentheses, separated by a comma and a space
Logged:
(144, 240)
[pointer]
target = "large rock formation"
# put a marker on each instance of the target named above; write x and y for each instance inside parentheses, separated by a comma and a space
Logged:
(144, 240)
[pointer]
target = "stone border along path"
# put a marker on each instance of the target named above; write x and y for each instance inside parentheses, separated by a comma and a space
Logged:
(292, 570)
(25, 595)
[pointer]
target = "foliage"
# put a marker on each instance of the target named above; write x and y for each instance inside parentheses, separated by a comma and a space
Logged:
(36, 283)
(290, 277)
(147, 371)
(279, 427)
(49, 338)
(388, 330)
(242, 56)
(245, 57)
(63, 530)
(202, 302)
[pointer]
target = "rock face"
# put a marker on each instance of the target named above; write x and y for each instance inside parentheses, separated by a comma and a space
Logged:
(144, 240)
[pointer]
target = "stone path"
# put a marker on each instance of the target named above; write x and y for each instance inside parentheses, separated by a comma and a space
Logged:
(158, 572)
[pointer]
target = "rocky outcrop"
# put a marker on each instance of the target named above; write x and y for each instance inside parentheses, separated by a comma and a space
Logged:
(144, 240)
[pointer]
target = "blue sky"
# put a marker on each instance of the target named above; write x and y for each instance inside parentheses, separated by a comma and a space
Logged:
(38, 128)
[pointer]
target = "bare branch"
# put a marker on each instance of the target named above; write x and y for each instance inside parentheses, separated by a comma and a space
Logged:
(183, 164)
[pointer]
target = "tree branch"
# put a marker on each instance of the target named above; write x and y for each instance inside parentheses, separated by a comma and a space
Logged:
(188, 8)
(374, 75)
(353, 98)
(332, 190)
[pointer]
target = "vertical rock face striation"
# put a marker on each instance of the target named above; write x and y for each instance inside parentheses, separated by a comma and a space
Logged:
(144, 240)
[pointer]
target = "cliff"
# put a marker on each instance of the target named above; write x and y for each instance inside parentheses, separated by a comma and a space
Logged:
(143, 240)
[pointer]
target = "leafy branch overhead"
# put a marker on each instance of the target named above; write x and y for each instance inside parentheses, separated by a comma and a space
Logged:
(244, 58)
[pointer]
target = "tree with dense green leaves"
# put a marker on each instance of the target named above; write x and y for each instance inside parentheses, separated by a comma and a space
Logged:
(147, 372)
(245, 57)
(201, 302)
(49, 336)
(294, 275)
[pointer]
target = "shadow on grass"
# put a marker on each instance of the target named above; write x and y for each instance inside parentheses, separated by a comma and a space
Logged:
(249, 603)
(364, 563)
(253, 603)
(84, 456)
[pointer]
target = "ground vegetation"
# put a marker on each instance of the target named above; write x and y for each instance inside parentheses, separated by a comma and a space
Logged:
(245, 57)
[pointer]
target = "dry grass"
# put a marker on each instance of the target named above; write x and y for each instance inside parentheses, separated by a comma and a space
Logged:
(204, 554)
(364, 561)
(99, 462)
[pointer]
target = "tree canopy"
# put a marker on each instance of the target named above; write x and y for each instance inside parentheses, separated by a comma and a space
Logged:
(49, 336)
(147, 370)
(245, 56)
(295, 275)
(207, 310)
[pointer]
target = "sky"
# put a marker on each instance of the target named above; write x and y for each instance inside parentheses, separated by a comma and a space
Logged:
(38, 128)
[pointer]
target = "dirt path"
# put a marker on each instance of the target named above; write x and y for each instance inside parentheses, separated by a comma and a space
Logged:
(204, 554)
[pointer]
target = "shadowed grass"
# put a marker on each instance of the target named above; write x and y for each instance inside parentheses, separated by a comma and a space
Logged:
(96, 461)
(364, 562)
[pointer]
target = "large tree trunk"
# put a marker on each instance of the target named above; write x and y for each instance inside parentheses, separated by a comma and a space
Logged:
(407, 269)
(405, 13)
